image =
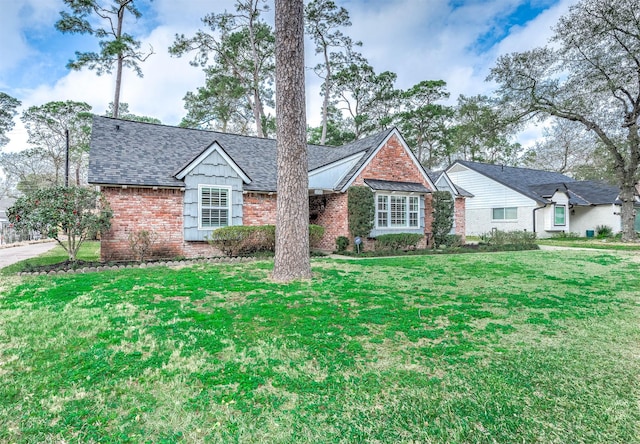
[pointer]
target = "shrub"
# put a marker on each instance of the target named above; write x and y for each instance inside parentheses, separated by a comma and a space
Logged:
(245, 240)
(514, 239)
(315, 235)
(141, 243)
(342, 242)
(451, 240)
(442, 217)
(565, 235)
(604, 231)
(76, 212)
(362, 209)
(398, 241)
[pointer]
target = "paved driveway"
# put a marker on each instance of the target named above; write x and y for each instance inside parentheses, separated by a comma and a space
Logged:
(11, 255)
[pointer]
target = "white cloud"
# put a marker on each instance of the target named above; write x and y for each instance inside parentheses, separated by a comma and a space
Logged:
(16, 18)
(418, 40)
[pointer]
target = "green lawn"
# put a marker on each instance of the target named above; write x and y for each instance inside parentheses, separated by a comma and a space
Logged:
(597, 244)
(529, 346)
(89, 251)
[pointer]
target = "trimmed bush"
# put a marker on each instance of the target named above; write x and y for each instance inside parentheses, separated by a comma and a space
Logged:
(362, 210)
(315, 235)
(451, 240)
(518, 240)
(442, 224)
(342, 242)
(245, 240)
(398, 241)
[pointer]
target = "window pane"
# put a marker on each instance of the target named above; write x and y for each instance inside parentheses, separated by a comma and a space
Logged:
(509, 213)
(381, 211)
(214, 207)
(382, 203)
(398, 211)
(414, 206)
(206, 197)
(559, 218)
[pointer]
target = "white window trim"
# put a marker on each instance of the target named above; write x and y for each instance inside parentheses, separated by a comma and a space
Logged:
(505, 214)
(229, 204)
(407, 212)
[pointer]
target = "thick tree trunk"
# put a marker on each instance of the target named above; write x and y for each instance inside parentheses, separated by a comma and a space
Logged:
(292, 214)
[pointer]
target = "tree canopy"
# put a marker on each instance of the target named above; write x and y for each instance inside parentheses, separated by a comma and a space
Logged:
(591, 75)
(238, 54)
(8, 106)
(47, 126)
(75, 212)
(117, 48)
(323, 23)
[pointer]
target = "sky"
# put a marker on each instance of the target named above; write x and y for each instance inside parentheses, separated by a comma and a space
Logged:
(457, 41)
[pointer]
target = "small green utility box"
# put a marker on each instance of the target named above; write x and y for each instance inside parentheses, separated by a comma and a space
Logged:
(591, 233)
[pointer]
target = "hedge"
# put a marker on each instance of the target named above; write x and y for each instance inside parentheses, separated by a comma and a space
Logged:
(398, 241)
(244, 240)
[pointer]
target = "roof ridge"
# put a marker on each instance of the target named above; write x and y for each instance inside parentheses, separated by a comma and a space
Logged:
(187, 128)
(501, 165)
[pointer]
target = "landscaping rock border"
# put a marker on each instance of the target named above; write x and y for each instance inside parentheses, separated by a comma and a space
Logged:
(169, 263)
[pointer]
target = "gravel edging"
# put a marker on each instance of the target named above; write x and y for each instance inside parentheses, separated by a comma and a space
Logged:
(170, 264)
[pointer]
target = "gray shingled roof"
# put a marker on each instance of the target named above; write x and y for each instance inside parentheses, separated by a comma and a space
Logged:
(541, 185)
(519, 179)
(435, 176)
(582, 192)
(389, 185)
(135, 153)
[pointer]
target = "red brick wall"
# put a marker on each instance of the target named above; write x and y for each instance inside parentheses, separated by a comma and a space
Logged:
(136, 209)
(334, 219)
(393, 162)
(259, 209)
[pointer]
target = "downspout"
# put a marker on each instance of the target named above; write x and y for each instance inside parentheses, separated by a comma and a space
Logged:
(534, 215)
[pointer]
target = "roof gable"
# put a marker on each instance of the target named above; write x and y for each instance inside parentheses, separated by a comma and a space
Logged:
(213, 148)
(374, 150)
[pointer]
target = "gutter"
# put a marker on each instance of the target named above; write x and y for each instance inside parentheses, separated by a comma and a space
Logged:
(534, 215)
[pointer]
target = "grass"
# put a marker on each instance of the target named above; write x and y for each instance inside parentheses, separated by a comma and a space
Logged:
(89, 251)
(503, 347)
(594, 243)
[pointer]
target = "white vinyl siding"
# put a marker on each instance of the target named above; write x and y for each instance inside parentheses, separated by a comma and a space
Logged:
(489, 194)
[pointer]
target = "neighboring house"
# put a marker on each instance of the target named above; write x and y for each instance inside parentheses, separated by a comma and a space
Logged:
(184, 183)
(509, 198)
(4, 220)
(5, 204)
